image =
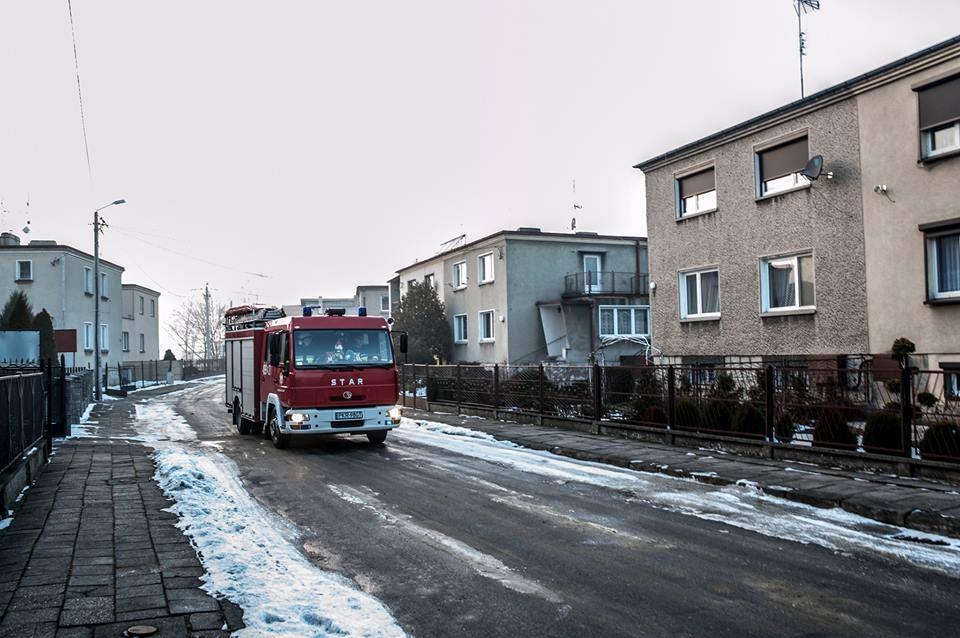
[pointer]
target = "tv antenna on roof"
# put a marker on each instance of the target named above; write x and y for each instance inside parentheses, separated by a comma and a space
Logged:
(802, 7)
(576, 207)
(450, 244)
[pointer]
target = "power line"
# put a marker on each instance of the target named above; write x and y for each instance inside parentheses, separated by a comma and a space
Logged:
(76, 65)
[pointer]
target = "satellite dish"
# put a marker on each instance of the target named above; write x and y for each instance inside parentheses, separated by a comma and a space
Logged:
(813, 168)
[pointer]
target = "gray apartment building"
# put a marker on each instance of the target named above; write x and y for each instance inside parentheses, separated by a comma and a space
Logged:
(526, 296)
(140, 340)
(756, 251)
(60, 279)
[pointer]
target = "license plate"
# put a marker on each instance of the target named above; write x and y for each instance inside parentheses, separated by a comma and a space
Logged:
(352, 415)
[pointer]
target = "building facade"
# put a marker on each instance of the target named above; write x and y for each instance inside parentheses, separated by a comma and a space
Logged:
(60, 280)
(528, 296)
(757, 250)
(140, 340)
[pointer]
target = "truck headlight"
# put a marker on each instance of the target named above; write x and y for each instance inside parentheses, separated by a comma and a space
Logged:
(298, 417)
(394, 414)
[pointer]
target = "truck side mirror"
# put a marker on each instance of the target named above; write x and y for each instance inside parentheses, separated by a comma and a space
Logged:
(403, 343)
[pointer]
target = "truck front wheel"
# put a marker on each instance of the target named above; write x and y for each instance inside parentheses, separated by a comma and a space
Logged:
(242, 425)
(377, 437)
(280, 440)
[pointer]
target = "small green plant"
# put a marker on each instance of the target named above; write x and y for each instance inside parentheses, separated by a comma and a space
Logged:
(718, 415)
(689, 414)
(882, 433)
(902, 348)
(830, 428)
(749, 420)
(725, 387)
(785, 427)
(927, 399)
(941, 441)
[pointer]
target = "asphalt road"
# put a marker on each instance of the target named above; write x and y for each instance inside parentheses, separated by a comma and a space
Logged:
(457, 545)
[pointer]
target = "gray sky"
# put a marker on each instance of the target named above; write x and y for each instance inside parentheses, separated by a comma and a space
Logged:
(326, 144)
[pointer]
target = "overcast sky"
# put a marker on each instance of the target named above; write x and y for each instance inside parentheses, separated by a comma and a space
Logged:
(289, 149)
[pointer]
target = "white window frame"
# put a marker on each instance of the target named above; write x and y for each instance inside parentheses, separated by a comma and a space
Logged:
(588, 285)
(700, 203)
(632, 331)
(88, 280)
(483, 276)
(430, 280)
(103, 286)
(88, 335)
(384, 303)
(18, 275)
(153, 307)
(460, 331)
(933, 277)
(143, 342)
(480, 326)
(104, 337)
(141, 304)
(125, 341)
(459, 277)
(928, 139)
(794, 261)
(791, 182)
(697, 313)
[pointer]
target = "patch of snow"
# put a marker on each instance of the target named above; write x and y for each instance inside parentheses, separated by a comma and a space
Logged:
(5, 523)
(22, 493)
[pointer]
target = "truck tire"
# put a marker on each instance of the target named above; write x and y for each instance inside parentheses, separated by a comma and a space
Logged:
(242, 425)
(280, 440)
(378, 437)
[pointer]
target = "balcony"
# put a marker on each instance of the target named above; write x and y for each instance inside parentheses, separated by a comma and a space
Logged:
(587, 284)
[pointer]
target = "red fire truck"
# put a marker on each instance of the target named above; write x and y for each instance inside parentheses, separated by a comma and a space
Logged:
(315, 374)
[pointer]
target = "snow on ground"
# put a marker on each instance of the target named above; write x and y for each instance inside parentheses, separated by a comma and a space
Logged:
(250, 555)
(742, 506)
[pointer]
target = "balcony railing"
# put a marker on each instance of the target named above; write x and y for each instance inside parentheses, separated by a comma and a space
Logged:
(606, 283)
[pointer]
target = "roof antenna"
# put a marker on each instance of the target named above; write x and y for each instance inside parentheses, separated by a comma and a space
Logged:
(576, 207)
(802, 7)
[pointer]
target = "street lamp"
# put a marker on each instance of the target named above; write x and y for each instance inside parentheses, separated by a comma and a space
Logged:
(97, 224)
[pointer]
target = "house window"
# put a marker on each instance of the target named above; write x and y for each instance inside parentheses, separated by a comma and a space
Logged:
(486, 325)
(951, 381)
(125, 341)
(696, 193)
(153, 307)
(778, 168)
(485, 268)
(624, 321)
(384, 303)
(88, 281)
(940, 117)
(88, 335)
(460, 275)
(943, 264)
(786, 283)
(592, 279)
(431, 281)
(460, 328)
(103, 285)
(104, 338)
(143, 343)
(141, 304)
(24, 270)
(700, 294)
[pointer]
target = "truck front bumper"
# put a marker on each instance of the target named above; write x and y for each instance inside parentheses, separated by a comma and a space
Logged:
(341, 421)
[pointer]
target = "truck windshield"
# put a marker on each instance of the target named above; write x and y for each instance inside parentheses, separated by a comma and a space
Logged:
(347, 348)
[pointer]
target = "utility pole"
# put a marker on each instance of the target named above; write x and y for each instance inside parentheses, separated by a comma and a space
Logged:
(97, 225)
(207, 337)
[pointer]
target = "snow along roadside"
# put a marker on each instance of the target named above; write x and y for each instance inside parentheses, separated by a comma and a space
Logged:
(250, 555)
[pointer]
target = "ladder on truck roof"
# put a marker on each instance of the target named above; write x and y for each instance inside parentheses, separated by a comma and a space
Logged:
(246, 317)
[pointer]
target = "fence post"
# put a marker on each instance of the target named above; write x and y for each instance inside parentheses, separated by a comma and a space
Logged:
(541, 392)
(403, 385)
(47, 366)
(906, 410)
(769, 406)
(143, 374)
(426, 383)
(671, 398)
(459, 390)
(63, 396)
(496, 389)
(597, 393)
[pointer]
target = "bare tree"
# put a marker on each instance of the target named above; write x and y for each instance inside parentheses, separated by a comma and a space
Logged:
(197, 331)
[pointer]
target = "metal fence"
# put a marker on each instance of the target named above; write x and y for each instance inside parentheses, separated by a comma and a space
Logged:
(23, 414)
(828, 405)
(139, 374)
